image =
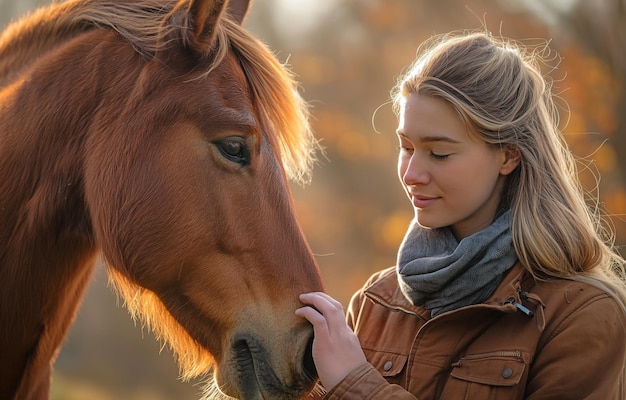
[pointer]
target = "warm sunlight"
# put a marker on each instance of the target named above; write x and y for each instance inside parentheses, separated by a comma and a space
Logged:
(300, 17)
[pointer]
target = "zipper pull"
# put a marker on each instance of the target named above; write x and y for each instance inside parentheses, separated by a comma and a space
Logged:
(520, 307)
(524, 310)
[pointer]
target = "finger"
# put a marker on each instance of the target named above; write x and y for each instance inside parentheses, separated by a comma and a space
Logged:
(325, 304)
(321, 295)
(331, 309)
(311, 315)
(320, 326)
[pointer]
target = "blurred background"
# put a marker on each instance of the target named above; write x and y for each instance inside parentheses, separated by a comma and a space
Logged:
(347, 54)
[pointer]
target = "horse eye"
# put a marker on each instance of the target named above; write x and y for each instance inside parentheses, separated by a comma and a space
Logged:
(235, 149)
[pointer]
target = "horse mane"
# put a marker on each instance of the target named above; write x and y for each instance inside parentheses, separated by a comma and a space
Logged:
(143, 23)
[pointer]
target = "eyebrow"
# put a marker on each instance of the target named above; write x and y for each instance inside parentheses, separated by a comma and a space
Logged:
(430, 139)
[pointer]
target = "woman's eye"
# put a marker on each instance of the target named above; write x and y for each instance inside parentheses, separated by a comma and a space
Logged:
(437, 156)
(235, 150)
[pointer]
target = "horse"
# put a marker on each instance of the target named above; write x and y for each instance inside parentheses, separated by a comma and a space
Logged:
(158, 136)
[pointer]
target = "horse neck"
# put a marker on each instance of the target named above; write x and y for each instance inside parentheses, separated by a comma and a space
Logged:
(46, 259)
(37, 308)
(45, 269)
(47, 250)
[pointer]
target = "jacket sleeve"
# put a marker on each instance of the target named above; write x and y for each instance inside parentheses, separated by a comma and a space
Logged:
(366, 383)
(583, 356)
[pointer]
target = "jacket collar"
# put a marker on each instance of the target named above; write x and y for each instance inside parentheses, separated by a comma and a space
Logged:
(386, 291)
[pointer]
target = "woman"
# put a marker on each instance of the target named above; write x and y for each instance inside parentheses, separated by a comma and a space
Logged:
(505, 287)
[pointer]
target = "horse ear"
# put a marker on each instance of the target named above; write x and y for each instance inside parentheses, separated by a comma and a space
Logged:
(238, 9)
(195, 20)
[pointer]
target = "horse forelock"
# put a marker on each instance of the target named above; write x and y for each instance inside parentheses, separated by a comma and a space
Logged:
(277, 98)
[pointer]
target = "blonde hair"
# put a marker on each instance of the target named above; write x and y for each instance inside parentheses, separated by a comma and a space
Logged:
(498, 89)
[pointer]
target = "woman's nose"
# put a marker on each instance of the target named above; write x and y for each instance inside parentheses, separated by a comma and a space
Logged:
(415, 172)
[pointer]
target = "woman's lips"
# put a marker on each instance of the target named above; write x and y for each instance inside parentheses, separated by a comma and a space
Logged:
(420, 201)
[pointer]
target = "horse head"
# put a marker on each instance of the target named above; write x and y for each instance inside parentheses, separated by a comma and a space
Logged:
(177, 139)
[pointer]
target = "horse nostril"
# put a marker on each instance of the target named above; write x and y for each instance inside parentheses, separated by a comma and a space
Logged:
(307, 363)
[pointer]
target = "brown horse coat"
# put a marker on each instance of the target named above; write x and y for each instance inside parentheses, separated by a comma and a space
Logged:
(159, 135)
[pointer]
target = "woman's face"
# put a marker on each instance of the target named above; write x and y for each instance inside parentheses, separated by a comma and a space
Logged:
(451, 178)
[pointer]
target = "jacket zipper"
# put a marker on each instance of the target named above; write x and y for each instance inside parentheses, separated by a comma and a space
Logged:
(520, 307)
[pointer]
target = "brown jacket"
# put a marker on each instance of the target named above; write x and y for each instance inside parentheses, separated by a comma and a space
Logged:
(558, 340)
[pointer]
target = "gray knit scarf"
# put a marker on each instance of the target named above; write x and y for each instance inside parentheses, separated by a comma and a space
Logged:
(441, 274)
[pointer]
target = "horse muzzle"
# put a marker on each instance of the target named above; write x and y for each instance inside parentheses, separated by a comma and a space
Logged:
(255, 375)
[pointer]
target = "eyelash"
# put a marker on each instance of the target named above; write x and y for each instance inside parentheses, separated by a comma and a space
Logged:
(439, 156)
(435, 156)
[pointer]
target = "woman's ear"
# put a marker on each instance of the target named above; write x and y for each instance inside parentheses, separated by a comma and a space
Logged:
(512, 158)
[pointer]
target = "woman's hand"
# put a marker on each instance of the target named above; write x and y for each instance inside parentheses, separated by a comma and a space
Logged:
(336, 349)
